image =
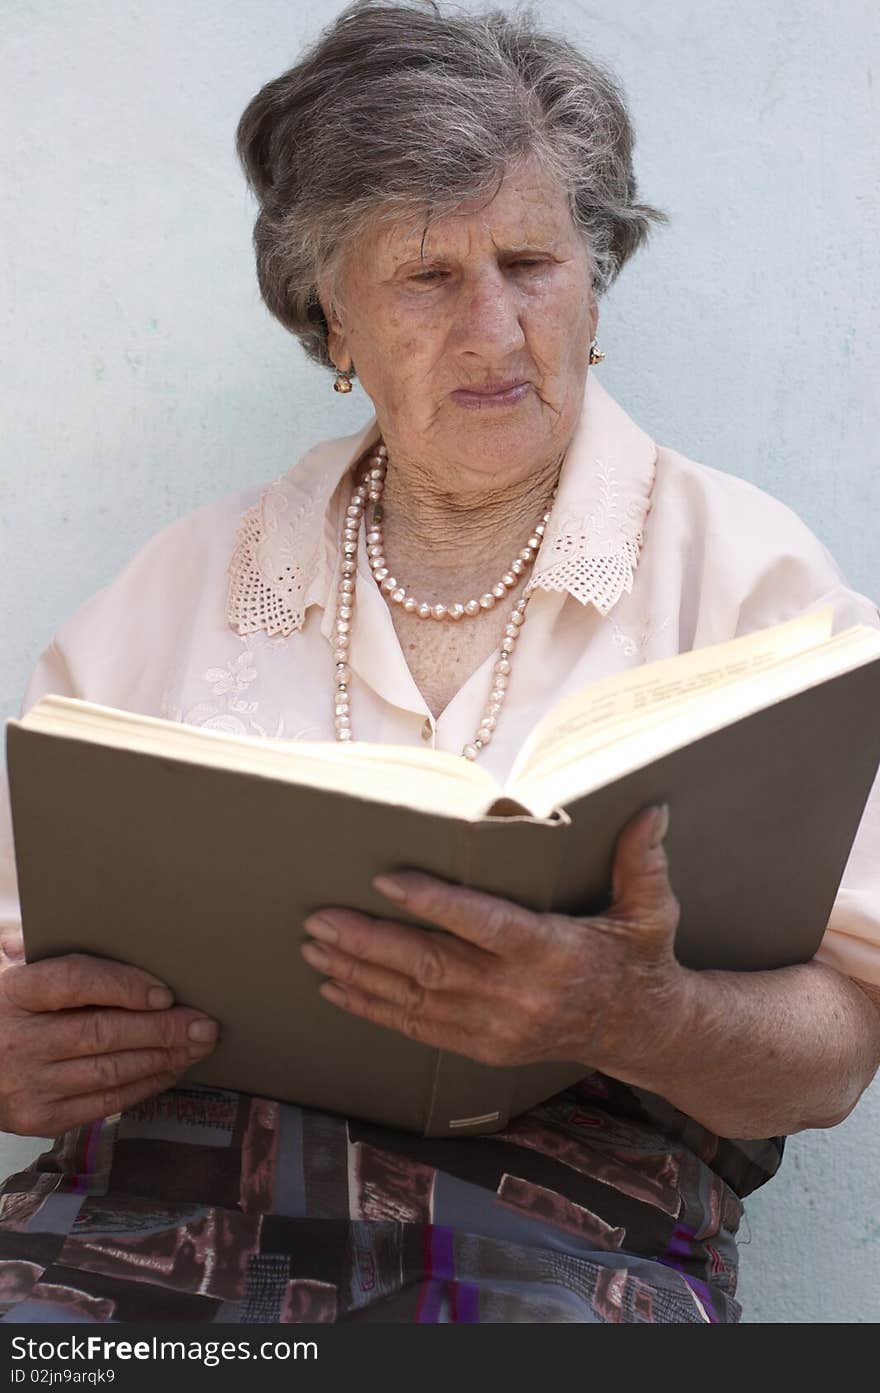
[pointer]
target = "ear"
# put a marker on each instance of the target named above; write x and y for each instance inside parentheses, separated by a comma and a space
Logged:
(336, 337)
(594, 316)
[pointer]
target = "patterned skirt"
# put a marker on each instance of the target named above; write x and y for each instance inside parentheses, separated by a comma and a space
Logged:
(602, 1205)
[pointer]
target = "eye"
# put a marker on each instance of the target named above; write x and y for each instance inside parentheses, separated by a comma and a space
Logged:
(436, 275)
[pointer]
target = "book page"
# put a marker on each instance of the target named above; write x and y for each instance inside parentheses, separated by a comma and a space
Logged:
(614, 706)
(427, 780)
(679, 723)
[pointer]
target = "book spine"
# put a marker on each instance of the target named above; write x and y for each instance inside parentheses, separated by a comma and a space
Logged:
(516, 858)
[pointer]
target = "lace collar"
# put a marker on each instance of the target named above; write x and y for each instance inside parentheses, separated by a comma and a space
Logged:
(287, 544)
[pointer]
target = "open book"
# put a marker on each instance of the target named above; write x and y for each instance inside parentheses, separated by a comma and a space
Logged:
(197, 854)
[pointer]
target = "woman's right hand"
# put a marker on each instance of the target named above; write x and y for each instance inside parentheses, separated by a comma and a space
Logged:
(83, 1038)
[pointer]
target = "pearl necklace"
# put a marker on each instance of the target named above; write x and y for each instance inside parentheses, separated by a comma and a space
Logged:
(371, 488)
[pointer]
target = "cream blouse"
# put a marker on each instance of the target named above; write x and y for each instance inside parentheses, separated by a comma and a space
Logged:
(224, 619)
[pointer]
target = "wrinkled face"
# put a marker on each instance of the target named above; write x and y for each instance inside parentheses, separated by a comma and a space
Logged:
(473, 346)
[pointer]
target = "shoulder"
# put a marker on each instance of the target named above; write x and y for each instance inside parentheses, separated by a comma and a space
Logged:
(209, 529)
(170, 600)
(177, 559)
(174, 585)
(742, 553)
(731, 510)
(734, 519)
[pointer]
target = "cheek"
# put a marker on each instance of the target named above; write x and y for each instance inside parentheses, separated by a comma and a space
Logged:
(558, 324)
(400, 355)
(393, 373)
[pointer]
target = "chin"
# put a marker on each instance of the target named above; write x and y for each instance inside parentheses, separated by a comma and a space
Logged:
(500, 456)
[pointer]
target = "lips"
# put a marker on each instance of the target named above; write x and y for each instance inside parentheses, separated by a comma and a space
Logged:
(491, 394)
(489, 389)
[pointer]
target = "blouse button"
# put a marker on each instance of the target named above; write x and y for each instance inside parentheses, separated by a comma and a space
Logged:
(427, 729)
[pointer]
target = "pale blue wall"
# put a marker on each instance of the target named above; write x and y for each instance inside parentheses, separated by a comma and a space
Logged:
(141, 375)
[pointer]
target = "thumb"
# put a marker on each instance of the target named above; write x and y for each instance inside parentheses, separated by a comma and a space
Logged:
(11, 943)
(640, 875)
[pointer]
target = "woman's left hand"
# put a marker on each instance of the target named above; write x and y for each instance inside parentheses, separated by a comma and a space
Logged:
(507, 986)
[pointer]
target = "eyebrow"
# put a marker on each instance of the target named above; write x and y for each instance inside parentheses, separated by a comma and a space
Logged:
(536, 244)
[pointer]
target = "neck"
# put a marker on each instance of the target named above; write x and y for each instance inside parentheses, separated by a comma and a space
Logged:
(457, 537)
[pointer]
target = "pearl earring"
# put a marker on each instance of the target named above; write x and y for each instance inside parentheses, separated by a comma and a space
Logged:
(596, 354)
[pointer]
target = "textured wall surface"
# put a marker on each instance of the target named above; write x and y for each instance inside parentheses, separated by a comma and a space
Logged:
(141, 376)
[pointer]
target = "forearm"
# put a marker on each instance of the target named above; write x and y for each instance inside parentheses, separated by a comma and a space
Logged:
(758, 1054)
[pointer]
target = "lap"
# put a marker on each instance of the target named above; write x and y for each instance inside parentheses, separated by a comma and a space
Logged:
(213, 1206)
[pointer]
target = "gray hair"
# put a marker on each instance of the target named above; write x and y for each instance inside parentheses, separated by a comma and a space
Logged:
(402, 111)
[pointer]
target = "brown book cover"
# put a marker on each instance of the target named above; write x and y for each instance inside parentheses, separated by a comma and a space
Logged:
(204, 876)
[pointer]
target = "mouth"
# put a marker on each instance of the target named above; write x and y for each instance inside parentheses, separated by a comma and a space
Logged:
(491, 394)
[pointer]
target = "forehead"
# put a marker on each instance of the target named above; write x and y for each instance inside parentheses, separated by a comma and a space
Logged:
(529, 208)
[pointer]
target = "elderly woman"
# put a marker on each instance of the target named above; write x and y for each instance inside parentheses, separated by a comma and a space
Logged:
(443, 201)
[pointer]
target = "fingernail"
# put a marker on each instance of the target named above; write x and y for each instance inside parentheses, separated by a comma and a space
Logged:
(331, 992)
(203, 1030)
(316, 956)
(661, 824)
(321, 928)
(391, 888)
(159, 998)
(199, 1051)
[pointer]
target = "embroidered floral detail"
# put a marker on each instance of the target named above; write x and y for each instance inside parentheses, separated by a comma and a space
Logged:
(234, 677)
(636, 644)
(592, 549)
(232, 714)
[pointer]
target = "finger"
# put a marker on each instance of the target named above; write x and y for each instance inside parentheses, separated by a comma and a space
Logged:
(70, 1078)
(57, 1117)
(640, 876)
(379, 982)
(75, 979)
(487, 921)
(77, 1034)
(12, 944)
(425, 957)
(459, 1036)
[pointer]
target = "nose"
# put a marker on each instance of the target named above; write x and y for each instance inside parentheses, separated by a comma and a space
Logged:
(488, 320)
